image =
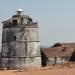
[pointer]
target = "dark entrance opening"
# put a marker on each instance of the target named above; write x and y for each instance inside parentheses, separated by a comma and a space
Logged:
(72, 59)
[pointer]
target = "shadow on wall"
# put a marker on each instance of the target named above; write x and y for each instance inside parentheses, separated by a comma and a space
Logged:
(72, 59)
(44, 59)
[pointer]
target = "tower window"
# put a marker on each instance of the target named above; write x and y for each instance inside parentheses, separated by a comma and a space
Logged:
(14, 38)
(15, 23)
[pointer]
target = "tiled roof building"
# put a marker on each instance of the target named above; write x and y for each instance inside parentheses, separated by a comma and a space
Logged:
(58, 53)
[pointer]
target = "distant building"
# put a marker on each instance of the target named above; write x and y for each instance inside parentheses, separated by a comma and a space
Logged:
(59, 53)
(20, 42)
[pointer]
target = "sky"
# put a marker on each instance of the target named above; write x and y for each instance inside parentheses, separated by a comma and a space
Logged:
(56, 18)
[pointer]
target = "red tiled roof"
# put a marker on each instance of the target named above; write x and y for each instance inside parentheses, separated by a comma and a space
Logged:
(57, 51)
(70, 45)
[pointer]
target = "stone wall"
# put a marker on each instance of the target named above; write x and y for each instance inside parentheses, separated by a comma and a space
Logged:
(21, 47)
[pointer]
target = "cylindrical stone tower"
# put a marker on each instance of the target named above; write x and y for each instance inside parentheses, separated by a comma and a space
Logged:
(20, 42)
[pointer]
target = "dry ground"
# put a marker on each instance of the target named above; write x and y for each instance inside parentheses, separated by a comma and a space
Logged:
(49, 71)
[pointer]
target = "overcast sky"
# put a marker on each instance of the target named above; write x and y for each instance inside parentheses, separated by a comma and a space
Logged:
(56, 18)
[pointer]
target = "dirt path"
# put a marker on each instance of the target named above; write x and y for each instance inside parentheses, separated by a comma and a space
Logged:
(65, 71)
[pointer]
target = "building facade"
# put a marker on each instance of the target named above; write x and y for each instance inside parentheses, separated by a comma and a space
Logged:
(20, 42)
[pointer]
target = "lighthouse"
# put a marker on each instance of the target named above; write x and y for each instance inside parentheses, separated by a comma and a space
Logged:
(20, 42)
